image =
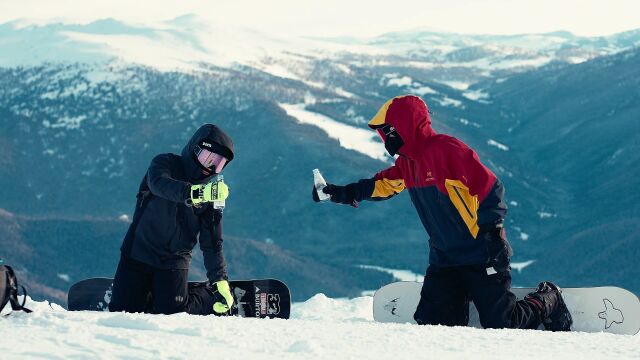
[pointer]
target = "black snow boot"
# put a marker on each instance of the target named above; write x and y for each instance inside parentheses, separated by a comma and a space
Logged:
(553, 311)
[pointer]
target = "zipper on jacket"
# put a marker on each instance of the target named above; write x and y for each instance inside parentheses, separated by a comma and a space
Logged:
(416, 179)
(143, 197)
(462, 201)
(179, 227)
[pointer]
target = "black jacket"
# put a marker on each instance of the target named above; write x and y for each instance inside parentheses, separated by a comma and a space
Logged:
(164, 229)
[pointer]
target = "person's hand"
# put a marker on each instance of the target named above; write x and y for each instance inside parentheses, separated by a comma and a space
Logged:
(342, 194)
(210, 192)
(499, 251)
(223, 288)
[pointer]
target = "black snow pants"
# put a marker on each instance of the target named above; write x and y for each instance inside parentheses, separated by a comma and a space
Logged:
(138, 287)
(446, 292)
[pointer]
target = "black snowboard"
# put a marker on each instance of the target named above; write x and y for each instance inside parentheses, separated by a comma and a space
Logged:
(253, 298)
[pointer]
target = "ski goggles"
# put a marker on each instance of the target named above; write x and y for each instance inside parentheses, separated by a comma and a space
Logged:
(209, 159)
(392, 140)
(386, 131)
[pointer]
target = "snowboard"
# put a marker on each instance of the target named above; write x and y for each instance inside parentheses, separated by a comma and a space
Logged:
(261, 298)
(594, 309)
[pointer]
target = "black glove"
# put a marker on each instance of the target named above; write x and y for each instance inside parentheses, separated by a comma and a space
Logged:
(499, 251)
(342, 194)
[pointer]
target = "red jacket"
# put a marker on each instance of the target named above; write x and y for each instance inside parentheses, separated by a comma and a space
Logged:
(452, 191)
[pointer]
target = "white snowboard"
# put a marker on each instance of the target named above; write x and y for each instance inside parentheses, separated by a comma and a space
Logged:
(595, 309)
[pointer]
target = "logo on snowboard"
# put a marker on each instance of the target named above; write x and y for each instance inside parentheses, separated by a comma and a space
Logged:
(266, 304)
(274, 304)
(392, 306)
(610, 314)
(239, 295)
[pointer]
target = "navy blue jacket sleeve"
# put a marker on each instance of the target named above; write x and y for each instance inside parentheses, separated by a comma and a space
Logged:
(211, 244)
(162, 184)
(493, 208)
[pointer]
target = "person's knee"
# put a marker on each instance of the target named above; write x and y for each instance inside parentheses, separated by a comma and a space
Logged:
(442, 314)
(201, 300)
(496, 318)
(495, 323)
(115, 307)
(130, 305)
(170, 304)
(120, 303)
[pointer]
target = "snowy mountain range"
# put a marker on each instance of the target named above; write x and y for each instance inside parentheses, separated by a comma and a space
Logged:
(190, 43)
(83, 109)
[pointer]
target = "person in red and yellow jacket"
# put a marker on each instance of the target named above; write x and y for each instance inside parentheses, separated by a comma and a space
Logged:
(461, 205)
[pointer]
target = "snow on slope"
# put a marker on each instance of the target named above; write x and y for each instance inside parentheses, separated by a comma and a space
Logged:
(320, 328)
(398, 275)
(349, 137)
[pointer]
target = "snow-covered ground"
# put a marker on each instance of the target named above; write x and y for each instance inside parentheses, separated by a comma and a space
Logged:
(320, 328)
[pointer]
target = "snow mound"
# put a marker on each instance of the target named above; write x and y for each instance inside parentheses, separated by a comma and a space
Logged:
(342, 310)
(320, 328)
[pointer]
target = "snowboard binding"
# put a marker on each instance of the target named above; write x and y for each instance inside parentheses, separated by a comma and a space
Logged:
(554, 313)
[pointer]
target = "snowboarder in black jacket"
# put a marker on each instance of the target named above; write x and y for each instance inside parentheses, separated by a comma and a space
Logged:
(177, 206)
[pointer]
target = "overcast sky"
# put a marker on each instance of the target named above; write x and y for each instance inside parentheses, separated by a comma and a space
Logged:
(355, 17)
